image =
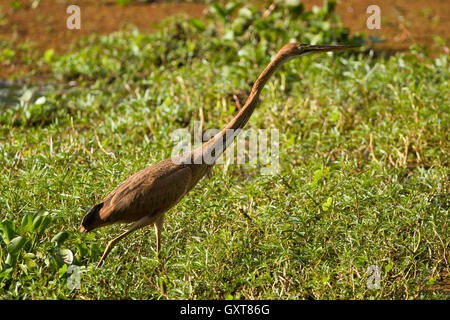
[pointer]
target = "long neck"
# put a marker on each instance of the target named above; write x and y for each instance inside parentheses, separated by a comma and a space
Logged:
(225, 137)
(243, 116)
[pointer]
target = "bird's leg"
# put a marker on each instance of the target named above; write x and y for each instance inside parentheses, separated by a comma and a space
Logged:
(158, 228)
(139, 224)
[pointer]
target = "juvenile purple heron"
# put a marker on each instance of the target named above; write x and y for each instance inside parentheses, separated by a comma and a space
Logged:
(146, 196)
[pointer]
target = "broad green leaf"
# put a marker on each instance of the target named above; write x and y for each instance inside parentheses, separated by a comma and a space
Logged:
(10, 260)
(16, 244)
(41, 222)
(62, 271)
(4, 274)
(31, 264)
(48, 55)
(40, 100)
(37, 222)
(27, 222)
(45, 222)
(29, 255)
(60, 237)
(197, 24)
(7, 228)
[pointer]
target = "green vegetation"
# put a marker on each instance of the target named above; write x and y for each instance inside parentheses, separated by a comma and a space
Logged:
(362, 181)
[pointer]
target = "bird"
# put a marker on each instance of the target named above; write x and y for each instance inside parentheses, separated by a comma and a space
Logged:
(144, 198)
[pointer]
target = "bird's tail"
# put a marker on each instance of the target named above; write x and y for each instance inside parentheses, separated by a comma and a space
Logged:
(92, 219)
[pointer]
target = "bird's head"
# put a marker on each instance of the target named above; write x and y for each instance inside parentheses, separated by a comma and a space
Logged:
(292, 50)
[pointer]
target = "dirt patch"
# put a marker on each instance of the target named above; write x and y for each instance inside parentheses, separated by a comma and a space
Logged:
(46, 24)
(403, 22)
(44, 27)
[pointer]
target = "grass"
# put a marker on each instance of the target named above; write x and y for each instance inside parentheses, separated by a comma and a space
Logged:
(362, 180)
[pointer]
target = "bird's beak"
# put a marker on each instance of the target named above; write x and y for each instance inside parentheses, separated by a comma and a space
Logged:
(325, 48)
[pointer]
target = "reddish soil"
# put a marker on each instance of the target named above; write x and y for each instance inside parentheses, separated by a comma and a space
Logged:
(403, 22)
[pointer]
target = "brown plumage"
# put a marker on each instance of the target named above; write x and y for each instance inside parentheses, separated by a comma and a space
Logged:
(145, 196)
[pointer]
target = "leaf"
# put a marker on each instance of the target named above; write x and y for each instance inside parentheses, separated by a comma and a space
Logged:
(94, 248)
(31, 264)
(197, 24)
(388, 267)
(48, 55)
(62, 271)
(7, 54)
(245, 13)
(4, 274)
(24, 268)
(334, 117)
(45, 222)
(431, 281)
(230, 7)
(16, 245)
(41, 222)
(29, 255)
(218, 11)
(330, 7)
(7, 228)
(123, 2)
(40, 100)
(319, 174)
(293, 3)
(10, 260)
(26, 96)
(27, 222)
(326, 205)
(37, 222)
(82, 249)
(60, 237)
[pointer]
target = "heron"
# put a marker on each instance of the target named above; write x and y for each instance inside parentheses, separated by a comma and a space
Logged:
(144, 198)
